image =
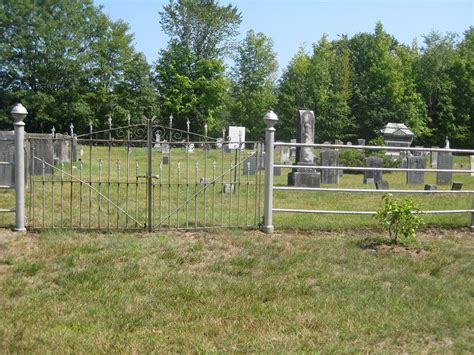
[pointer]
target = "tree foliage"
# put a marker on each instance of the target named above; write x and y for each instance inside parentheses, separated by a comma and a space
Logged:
(69, 63)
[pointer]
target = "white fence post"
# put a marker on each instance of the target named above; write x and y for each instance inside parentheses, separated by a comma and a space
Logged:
(270, 120)
(19, 113)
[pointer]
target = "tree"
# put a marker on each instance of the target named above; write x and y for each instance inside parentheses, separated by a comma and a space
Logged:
(190, 72)
(253, 82)
(293, 94)
(63, 60)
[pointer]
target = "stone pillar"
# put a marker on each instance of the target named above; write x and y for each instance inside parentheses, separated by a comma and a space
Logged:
(270, 120)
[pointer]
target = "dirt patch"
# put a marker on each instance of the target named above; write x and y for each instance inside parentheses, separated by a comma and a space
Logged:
(413, 251)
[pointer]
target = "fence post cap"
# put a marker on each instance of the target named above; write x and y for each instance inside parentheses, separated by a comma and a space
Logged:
(19, 112)
(270, 119)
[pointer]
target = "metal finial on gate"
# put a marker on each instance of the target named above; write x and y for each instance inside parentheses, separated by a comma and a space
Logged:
(128, 119)
(171, 121)
(188, 124)
(110, 121)
(205, 129)
(90, 126)
(71, 127)
(223, 133)
(53, 132)
(214, 164)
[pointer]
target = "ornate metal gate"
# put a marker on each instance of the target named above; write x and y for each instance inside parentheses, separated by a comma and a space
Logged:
(144, 176)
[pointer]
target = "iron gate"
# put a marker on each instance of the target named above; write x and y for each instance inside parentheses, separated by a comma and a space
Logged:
(144, 176)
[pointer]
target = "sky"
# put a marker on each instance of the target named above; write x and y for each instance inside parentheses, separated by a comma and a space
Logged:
(293, 23)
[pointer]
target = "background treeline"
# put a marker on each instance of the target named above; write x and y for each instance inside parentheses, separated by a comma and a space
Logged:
(68, 62)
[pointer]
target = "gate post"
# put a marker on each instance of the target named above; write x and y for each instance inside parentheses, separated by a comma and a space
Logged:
(270, 120)
(19, 113)
(149, 181)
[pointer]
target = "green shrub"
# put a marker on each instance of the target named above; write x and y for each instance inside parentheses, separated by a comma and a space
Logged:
(401, 218)
(352, 158)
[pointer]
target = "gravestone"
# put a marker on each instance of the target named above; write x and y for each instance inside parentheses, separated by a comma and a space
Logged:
(62, 152)
(416, 177)
(7, 154)
(371, 176)
(165, 147)
(445, 161)
(285, 155)
(418, 153)
(361, 141)
(382, 185)
(293, 149)
(249, 165)
(276, 171)
(189, 148)
(329, 157)
(219, 142)
(228, 188)
(305, 176)
(430, 187)
(349, 143)
(457, 186)
(166, 160)
(472, 165)
(338, 142)
(42, 145)
(434, 159)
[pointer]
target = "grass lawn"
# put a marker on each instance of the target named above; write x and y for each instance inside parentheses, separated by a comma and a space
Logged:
(235, 291)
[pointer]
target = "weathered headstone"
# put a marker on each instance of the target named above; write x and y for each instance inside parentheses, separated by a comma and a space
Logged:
(418, 153)
(456, 186)
(430, 187)
(361, 141)
(228, 188)
(166, 160)
(249, 165)
(472, 165)
(165, 147)
(416, 177)
(62, 152)
(349, 143)
(285, 155)
(189, 148)
(329, 157)
(42, 145)
(382, 185)
(276, 171)
(305, 176)
(338, 142)
(371, 176)
(445, 161)
(434, 159)
(292, 149)
(7, 154)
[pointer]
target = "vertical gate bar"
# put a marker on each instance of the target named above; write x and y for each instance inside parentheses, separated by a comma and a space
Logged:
(149, 222)
(119, 167)
(71, 172)
(205, 173)
(43, 167)
(187, 174)
(213, 191)
(255, 190)
(90, 174)
(169, 170)
(161, 193)
(238, 177)
(108, 170)
(178, 186)
(232, 189)
(99, 210)
(258, 188)
(136, 193)
(222, 178)
(248, 191)
(52, 175)
(196, 167)
(32, 184)
(80, 192)
(62, 193)
(127, 172)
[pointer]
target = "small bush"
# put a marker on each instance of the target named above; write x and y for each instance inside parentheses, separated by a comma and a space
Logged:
(401, 218)
(352, 158)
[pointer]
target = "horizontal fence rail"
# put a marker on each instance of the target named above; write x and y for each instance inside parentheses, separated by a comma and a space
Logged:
(428, 191)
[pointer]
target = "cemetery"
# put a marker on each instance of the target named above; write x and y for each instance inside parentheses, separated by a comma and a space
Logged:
(170, 184)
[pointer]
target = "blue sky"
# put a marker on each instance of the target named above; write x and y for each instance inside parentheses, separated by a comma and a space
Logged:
(291, 23)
